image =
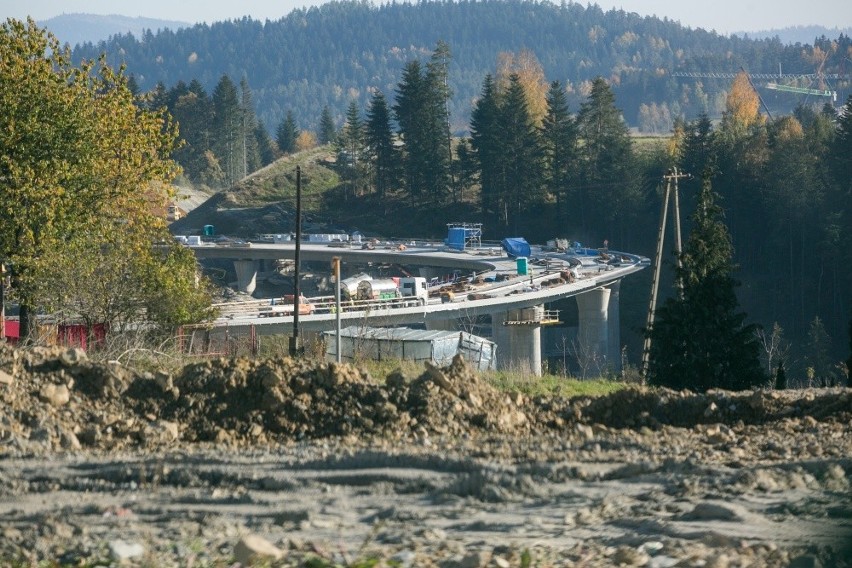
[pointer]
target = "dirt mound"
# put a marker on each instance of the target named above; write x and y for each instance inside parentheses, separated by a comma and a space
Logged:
(59, 399)
(635, 408)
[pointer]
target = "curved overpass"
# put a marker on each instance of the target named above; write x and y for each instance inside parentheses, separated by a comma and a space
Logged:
(596, 289)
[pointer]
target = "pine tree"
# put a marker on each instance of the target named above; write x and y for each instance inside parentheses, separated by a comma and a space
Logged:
(287, 133)
(327, 130)
(192, 109)
(381, 150)
(780, 377)
(840, 164)
(559, 139)
(609, 197)
(465, 167)
(351, 149)
(408, 109)
(817, 356)
(697, 158)
(264, 145)
(423, 118)
(486, 140)
(228, 129)
(522, 154)
(699, 339)
(437, 112)
(251, 155)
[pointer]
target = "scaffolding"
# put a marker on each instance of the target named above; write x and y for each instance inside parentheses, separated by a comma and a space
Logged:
(462, 236)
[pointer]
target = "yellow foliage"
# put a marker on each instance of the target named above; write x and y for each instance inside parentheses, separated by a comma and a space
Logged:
(528, 69)
(788, 128)
(306, 140)
(743, 104)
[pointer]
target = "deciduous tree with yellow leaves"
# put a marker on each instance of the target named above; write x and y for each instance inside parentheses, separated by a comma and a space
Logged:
(83, 173)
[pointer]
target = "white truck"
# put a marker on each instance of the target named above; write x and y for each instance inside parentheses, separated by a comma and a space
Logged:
(406, 288)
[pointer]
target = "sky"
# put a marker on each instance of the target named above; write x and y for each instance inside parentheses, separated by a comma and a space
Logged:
(723, 16)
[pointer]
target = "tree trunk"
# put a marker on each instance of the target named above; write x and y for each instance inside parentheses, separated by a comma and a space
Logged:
(26, 325)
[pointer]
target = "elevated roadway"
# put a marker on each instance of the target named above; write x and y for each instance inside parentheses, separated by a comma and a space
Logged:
(515, 304)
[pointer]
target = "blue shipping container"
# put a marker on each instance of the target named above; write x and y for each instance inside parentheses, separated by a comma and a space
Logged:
(456, 238)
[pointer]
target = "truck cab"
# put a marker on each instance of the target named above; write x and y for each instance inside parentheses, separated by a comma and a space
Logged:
(414, 287)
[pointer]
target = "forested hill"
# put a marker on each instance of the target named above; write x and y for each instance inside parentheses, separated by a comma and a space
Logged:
(340, 51)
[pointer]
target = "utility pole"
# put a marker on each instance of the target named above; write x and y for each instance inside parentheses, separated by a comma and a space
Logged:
(671, 178)
(2, 302)
(336, 264)
(294, 341)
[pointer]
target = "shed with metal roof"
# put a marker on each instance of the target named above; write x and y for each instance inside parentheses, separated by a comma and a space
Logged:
(438, 346)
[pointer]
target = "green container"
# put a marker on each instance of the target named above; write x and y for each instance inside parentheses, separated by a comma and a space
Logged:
(522, 265)
(209, 231)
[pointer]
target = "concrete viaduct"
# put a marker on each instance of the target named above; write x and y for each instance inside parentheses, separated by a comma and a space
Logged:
(516, 305)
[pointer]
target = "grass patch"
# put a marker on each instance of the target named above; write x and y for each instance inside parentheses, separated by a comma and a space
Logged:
(277, 181)
(508, 381)
(551, 385)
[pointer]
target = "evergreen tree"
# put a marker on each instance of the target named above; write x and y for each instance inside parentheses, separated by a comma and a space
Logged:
(327, 130)
(780, 377)
(264, 142)
(352, 151)
(697, 158)
(422, 115)
(742, 143)
(840, 165)
(465, 167)
(158, 97)
(699, 339)
(408, 109)
(287, 133)
(609, 196)
(817, 356)
(380, 145)
(522, 154)
(439, 140)
(192, 109)
(559, 138)
(251, 155)
(228, 129)
(486, 140)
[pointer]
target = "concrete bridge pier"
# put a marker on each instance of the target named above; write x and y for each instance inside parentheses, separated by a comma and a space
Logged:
(517, 334)
(246, 275)
(614, 326)
(598, 333)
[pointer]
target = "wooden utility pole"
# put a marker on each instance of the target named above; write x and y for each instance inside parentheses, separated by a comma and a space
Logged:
(337, 308)
(294, 341)
(671, 178)
(2, 302)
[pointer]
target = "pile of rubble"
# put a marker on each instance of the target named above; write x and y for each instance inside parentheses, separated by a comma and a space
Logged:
(59, 399)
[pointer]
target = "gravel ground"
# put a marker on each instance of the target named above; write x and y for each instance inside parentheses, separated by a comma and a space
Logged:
(286, 463)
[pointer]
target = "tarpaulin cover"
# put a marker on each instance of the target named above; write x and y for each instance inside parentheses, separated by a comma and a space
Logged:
(516, 246)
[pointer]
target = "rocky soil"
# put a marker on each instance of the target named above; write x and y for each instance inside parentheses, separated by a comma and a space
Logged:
(281, 462)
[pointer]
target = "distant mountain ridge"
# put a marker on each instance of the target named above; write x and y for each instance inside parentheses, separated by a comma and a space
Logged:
(345, 50)
(77, 29)
(797, 34)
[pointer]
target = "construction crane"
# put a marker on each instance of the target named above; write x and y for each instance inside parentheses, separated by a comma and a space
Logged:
(817, 81)
(803, 91)
(818, 77)
(732, 75)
